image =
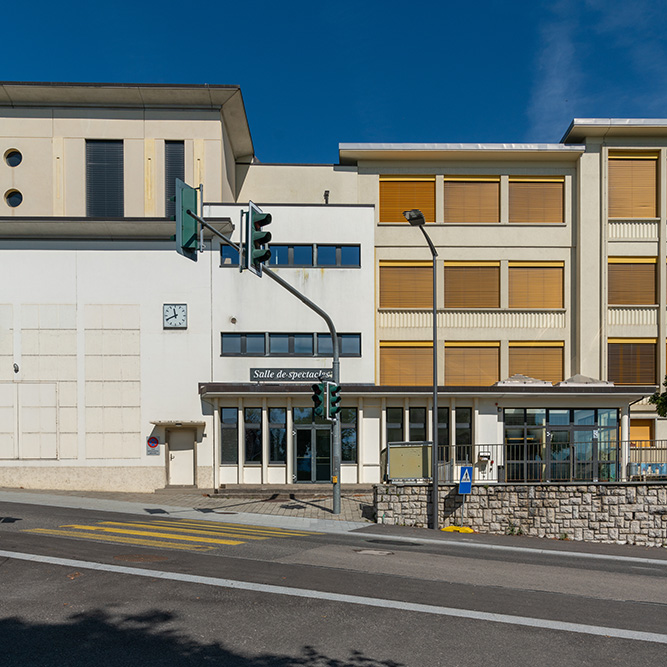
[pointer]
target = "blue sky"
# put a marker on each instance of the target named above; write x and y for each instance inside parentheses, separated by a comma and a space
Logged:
(314, 74)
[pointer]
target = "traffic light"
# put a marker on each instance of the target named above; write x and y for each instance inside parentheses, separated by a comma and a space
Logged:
(187, 239)
(333, 400)
(320, 398)
(256, 238)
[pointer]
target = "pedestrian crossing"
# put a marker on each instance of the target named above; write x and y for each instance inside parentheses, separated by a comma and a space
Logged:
(183, 534)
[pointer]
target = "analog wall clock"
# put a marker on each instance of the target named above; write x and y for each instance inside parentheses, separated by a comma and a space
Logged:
(175, 315)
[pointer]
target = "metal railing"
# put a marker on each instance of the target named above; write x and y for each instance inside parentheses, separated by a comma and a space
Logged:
(530, 462)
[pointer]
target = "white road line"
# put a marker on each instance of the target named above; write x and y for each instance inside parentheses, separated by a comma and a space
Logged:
(618, 633)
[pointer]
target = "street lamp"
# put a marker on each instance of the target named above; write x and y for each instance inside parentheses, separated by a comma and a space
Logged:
(416, 218)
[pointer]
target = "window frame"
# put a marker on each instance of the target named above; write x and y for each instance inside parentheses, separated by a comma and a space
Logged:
(315, 248)
(291, 344)
(102, 175)
(226, 426)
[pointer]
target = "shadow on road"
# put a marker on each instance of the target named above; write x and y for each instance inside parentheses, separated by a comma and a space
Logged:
(97, 638)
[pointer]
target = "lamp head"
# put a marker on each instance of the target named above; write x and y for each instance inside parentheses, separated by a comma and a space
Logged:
(415, 217)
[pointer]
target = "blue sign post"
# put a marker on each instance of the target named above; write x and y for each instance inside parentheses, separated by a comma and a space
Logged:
(465, 481)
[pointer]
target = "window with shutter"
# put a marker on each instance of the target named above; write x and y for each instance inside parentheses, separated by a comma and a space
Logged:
(541, 361)
(472, 285)
(469, 199)
(536, 200)
(104, 179)
(472, 364)
(405, 193)
(632, 282)
(406, 285)
(631, 361)
(409, 364)
(174, 167)
(535, 285)
(633, 185)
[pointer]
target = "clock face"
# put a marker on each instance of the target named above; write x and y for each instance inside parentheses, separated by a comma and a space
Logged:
(175, 315)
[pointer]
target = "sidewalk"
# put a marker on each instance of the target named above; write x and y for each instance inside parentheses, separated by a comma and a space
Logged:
(313, 513)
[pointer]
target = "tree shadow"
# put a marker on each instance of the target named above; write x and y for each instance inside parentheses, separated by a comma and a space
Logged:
(98, 638)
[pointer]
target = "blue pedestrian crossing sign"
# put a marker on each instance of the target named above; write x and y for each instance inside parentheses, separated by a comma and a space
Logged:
(465, 481)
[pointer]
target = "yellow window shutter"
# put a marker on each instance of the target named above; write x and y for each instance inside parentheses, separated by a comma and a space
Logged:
(632, 284)
(536, 201)
(397, 196)
(535, 286)
(633, 186)
(471, 366)
(406, 366)
(406, 287)
(472, 201)
(541, 363)
(631, 362)
(472, 286)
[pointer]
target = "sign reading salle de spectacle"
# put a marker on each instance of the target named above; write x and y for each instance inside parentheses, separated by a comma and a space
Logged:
(290, 374)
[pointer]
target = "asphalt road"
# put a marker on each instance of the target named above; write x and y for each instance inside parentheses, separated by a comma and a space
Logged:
(98, 588)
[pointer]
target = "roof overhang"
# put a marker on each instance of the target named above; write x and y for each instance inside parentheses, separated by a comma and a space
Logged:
(625, 394)
(88, 229)
(583, 128)
(356, 153)
(227, 99)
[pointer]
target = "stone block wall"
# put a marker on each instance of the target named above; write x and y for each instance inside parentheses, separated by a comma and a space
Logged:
(629, 513)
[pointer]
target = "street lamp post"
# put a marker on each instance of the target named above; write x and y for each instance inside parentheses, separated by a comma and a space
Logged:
(416, 218)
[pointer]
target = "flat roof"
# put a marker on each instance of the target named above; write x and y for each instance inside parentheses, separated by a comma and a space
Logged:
(228, 99)
(353, 153)
(580, 128)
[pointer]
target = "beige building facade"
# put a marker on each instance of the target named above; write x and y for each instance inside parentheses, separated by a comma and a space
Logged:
(551, 299)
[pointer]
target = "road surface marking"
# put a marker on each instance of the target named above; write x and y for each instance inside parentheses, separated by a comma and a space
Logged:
(507, 619)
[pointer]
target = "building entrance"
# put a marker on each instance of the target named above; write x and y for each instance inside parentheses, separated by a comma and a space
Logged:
(312, 451)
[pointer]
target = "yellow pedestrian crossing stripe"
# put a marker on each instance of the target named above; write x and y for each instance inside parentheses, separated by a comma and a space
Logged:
(172, 534)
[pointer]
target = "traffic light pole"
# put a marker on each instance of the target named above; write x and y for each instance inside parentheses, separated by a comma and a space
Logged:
(337, 452)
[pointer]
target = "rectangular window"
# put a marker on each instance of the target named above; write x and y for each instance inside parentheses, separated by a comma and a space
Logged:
(229, 436)
(535, 285)
(631, 361)
(469, 199)
(322, 255)
(633, 185)
(349, 345)
(542, 362)
(406, 285)
(472, 285)
(277, 435)
(443, 434)
(288, 345)
(104, 179)
(174, 167)
(464, 435)
(398, 194)
(348, 434)
(229, 256)
(249, 344)
(394, 421)
(632, 282)
(641, 432)
(253, 434)
(536, 200)
(417, 426)
(472, 364)
(406, 365)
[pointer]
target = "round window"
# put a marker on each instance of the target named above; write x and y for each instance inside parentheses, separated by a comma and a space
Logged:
(13, 198)
(13, 157)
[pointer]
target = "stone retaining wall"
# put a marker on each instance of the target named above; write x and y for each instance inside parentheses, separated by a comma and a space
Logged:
(631, 513)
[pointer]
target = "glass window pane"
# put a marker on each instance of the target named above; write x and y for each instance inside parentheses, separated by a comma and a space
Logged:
(326, 255)
(514, 416)
(348, 437)
(229, 256)
(279, 255)
(395, 425)
(350, 344)
(231, 343)
(253, 445)
(324, 345)
(229, 416)
(417, 424)
(584, 417)
(559, 417)
(278, 344)
(303, 415)
(229, 447)
(536, 417)
(350, 255)
(277, 415)
(303, 255)
(254, 344)
(608, 417)
(277, 445)
(253, 415)
(348, 416)
(303, 344)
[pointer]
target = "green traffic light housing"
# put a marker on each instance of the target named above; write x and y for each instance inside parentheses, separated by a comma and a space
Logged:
(187, 238)
(256, 238)
(333, 400)
(319, 398)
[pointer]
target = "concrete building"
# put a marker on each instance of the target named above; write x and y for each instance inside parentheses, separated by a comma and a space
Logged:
(551, 276)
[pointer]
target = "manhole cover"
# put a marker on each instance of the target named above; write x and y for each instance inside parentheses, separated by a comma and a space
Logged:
(374, 552)
(394, 543)
(140, 558)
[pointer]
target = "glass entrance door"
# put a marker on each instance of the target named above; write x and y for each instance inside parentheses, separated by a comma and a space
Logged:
(312, 452)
